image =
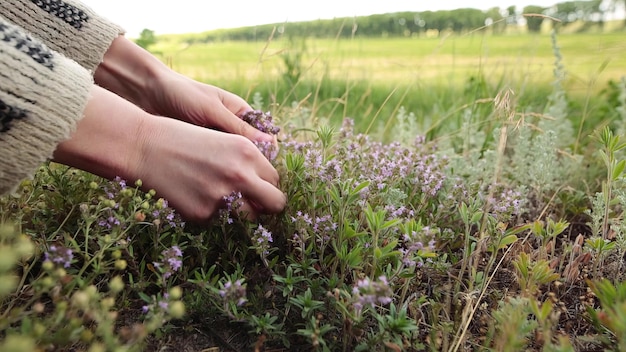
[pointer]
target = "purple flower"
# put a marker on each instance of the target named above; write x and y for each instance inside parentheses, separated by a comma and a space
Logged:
(233, 292)
(268, 149)
(504, 203)
(414, 250)
(109, 222)
(232, 203)
(330, 170)
(171, 261)
(157, 303)
(347, 129)
(297, 239)
(112, 188)
(370, 293)
(167, 215)
(261, 239)
(260, 120)
(59, 255)
(120, 182)
(323, 228)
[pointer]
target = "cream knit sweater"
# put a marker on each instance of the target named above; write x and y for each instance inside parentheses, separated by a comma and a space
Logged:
(49, 50)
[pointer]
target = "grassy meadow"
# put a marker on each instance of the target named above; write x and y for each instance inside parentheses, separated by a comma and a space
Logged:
(457, 193)
(370, 79)
(446, 60)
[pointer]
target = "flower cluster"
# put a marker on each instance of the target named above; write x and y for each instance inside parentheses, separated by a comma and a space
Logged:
(232, 203)
(260, 120)
(322, 227)
(171, 261)
(168, 303)
(113, 188)
(505, 203)
(234, 292)
(347, 129)
(59, 255)
(261, 239)
(383, 165)
(414, 249)
(162, 304)
(399, 212)
(317, 167)
(108, 219)
(163, 213)
(268, 149)
(369, 293)
(109, 222)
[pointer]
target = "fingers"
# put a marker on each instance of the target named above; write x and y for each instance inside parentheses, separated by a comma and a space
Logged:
(203, 166)
(265, 197)
(232, 107)
(266, 171)
(248, 211)
(262, 188)
(231, 123)
(250, 174)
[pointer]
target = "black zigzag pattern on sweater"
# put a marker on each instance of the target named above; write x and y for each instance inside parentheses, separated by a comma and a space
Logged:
(24, 43)
(74, 16)
(8, 114)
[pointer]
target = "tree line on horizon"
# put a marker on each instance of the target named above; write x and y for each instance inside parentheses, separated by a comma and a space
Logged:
(591, 13)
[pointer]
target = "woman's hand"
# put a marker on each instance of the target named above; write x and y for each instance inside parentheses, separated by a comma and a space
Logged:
(135, 74)
(192, 167)
(175, 95)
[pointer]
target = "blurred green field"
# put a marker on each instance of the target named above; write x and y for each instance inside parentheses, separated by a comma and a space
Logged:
(365, 78)
(406, 60)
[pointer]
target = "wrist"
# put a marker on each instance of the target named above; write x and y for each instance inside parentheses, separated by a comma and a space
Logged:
(129, 71)
(108, 140)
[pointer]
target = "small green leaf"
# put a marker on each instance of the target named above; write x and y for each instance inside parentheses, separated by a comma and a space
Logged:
(360, 187)
(619, 147)
(618, 169)
(390, 223)
(537, 228)
(546, 309)
(463, 211)
(335, 194)
(605, 158)
(377, 253)
(507, 240)
(425, 254)
(518, 229)
(476, 217)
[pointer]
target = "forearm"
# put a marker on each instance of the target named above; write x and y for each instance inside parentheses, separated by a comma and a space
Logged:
(42, 96)
(129, 71)
(108, 139)
(136, 75)
(68, 27)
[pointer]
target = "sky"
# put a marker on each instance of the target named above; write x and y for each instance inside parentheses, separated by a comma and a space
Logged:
(184, 16)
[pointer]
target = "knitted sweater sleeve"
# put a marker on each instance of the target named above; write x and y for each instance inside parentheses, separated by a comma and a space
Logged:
(66, 26)
(42, 96)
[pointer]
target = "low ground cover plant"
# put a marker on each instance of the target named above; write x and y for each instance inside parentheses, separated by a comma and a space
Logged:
(502, 231)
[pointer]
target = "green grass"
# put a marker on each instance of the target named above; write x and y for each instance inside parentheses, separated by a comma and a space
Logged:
(370, 79)
(406, 60)
(502, 230)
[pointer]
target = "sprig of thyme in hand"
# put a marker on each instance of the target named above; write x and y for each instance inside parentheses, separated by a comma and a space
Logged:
(260, 120)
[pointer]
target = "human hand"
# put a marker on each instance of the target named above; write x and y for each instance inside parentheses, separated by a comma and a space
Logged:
(192, 167)
(175, 95)
(135, 74)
